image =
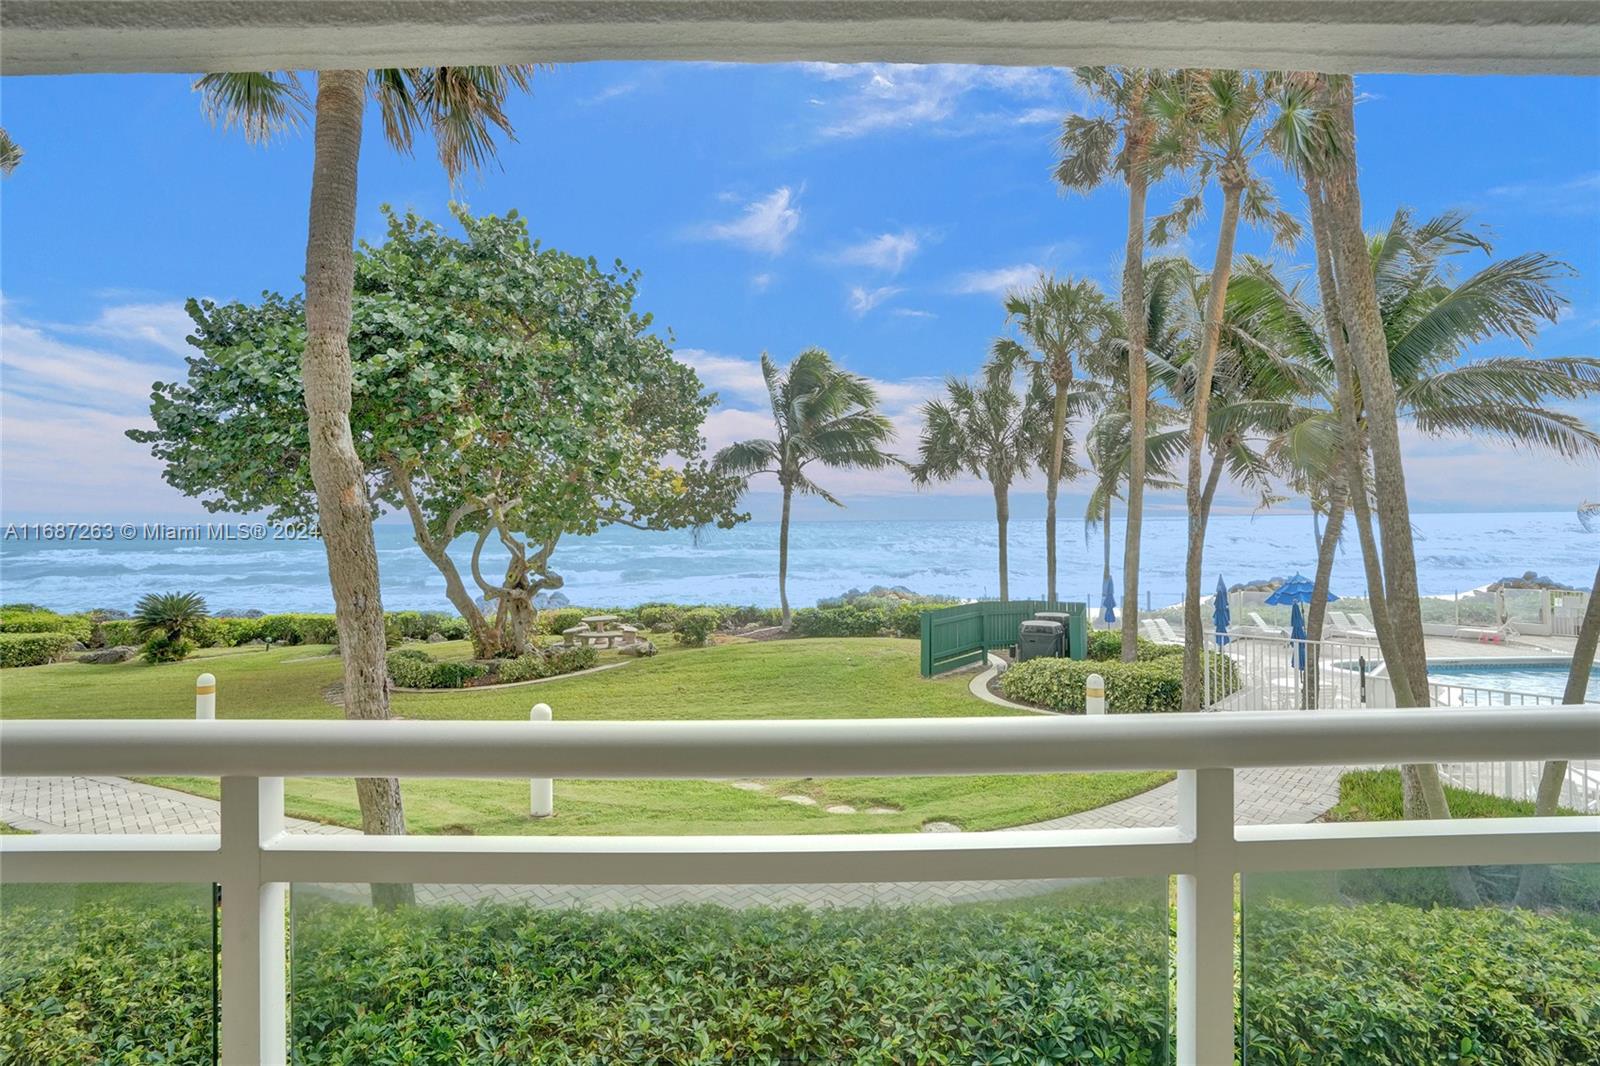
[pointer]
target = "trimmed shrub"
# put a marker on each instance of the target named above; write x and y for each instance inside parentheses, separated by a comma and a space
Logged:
(905, 620)
(560, 619)
(845, 621)
(552, 664)
(1106, 645)
(27, 619)
(408, 624)
(452, 674)
(697, 625)
(409, 667)
(1154, 685)
(165, 648)
(118, 632)
(32, 649)
(660, 617)
(452, 627)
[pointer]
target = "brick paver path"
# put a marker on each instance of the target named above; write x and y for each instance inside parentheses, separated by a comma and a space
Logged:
(117, 805)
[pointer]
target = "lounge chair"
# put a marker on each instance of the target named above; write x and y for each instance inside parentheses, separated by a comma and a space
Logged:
(1340, 623)
(1150, 630)
(1362, 624)
(1168, 634)
(1271, 631)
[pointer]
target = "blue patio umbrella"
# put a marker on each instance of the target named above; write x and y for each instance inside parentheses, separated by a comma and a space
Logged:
(1221, 615)
(1297, 635)
(1108, 601)
(1296, 589)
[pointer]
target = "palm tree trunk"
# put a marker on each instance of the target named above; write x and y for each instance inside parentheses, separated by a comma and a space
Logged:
(1221, 269)
(1002, 515)
(1318, 613)
(1530, 887)
(343, 509)
(1363, 328)
(1133, 314)
(1105, 562)
(1353, 439)
(1058, 426)
(783, 557)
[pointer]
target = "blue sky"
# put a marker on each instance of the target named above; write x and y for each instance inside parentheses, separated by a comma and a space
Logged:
(879, 212)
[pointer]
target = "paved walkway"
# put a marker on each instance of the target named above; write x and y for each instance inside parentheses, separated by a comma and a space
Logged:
(117, 805)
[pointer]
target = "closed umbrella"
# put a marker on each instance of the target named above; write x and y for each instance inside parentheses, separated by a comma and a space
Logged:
(1108, 601)
(1297, 635)
(1221, 615)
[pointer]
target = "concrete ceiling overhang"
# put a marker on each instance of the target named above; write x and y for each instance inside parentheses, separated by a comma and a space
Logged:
(1467, 36)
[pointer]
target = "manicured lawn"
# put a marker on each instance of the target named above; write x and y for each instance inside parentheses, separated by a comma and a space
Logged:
(838, 678)
(1374, 796)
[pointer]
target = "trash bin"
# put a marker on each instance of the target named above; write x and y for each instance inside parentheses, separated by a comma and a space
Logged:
(1038, 639)
(1075, 624)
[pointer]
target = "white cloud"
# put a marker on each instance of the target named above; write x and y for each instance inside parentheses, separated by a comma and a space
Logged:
(726, 374)
(911, 312)
(997, 282)
(885, 96)
(862, 300)
(162, 325)
(765, 226)
(1561, 196)
(888, 252)
(761, 282)
(39, 365)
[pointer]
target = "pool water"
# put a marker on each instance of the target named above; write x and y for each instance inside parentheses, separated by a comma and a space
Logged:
(1547, 679)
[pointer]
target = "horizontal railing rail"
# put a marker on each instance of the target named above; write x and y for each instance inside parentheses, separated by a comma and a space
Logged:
(254, 859)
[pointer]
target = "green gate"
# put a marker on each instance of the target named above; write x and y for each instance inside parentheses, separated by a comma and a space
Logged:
(953, 637)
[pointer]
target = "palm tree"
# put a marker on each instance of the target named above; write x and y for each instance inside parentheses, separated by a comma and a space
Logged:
(1214, 123)
(173, 615)
(822, 415)
(989, 432)
(1060, 321)
(462, 106)
(10, 153)
(1090, 155)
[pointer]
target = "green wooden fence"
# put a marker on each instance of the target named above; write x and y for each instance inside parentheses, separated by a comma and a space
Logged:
(953, 637)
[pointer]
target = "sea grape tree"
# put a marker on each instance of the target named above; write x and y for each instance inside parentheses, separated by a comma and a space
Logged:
(504, 393)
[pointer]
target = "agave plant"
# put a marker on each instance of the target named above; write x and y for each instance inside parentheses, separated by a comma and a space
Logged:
(173, 616)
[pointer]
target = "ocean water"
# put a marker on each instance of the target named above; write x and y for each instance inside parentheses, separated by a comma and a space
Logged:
(620, 567)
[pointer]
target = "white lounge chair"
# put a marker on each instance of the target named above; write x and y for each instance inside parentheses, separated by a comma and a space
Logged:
(1340, 622)
(1362, 624)
(1271, 631)
(1168, 634)
(1150, 630)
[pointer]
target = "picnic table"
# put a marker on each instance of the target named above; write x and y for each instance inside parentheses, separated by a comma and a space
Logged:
(593, 632)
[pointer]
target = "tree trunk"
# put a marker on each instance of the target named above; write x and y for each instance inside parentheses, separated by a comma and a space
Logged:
(783, 557)
(1530, 887)
(343, 510)
(485, 638)
(1206, 362)
(1002, 515)
(1353, 439)
(1134, 314)
(1318, 613)
(1363, 328)
(1058, 426)
(1105, 541)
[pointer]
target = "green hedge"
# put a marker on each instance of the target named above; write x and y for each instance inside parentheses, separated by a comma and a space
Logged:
(1106, 644)
(415, 668)
(848, 620)
(1153, 685)
(32, 649)
(1059, 980)
(29, 619)
(549, 664)
(695, 626)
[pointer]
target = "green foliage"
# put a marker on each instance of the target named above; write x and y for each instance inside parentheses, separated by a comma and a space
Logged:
(697, 625)
(409, 667)
(452, 674)
(118, 632)
(548, 664)
(165, 648)
(1151, 685)
(32, 649)
(845, 621)
(176, 616)
(26, 618)
(660, 617)
(557, 621)
(1106, 645)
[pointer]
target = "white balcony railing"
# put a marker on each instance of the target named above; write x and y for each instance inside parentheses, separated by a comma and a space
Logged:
(254, 859)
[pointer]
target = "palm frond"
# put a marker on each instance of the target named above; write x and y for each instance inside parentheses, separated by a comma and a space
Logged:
(259, 104)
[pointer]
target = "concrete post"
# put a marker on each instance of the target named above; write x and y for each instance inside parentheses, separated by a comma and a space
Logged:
(541, 790)
(1094, 694)
(205, 698)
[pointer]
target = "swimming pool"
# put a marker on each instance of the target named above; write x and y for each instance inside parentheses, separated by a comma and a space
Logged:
(1547, 677)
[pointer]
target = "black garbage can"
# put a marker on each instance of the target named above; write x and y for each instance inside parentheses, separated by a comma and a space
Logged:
(1037, 639)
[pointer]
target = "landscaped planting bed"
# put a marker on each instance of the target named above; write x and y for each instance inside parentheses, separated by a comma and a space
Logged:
(1064, 978)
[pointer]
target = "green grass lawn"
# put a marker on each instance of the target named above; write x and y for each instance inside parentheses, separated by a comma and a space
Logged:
(793, 679)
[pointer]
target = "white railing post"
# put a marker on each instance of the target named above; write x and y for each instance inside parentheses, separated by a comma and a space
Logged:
(1205, 920)
(1094, 694)
(255, 1023)
(541, 790)
(205, 698)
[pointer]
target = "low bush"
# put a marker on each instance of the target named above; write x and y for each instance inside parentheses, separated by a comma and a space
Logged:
(551, 664)
(697, 625)
(1106, 644)
(1153, 685)
(1058, 980)
(452, 674)
(30, 619)
(556, 621)
(165, 648)
(409, 667)
(845, 621)
(32, 649)
(660, 617)
(116, 632)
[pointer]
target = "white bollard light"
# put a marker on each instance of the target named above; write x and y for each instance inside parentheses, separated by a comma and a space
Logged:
(541, 790)
(1094, 694)
(205, 698)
